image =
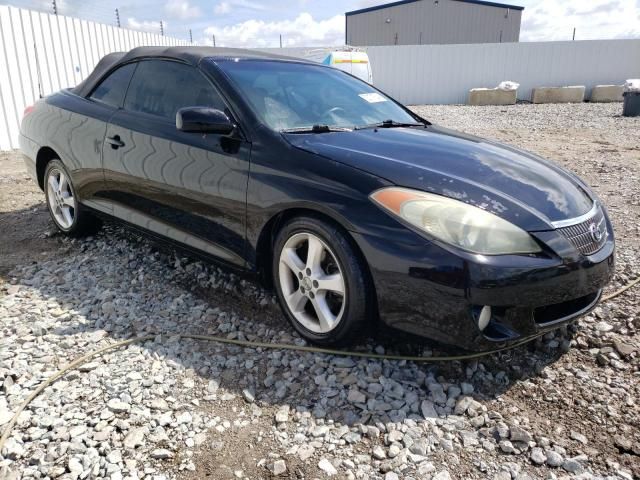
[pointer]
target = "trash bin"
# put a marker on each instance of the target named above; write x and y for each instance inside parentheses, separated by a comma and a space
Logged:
(631, 104)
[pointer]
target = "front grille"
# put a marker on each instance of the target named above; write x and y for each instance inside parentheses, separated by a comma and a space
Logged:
(588, 236)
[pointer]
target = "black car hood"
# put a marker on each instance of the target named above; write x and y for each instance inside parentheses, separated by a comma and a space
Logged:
(516, 185)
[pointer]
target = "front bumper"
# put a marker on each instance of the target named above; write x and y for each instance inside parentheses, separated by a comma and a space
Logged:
(437, 293)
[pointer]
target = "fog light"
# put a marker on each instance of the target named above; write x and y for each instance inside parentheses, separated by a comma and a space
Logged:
(484, 317)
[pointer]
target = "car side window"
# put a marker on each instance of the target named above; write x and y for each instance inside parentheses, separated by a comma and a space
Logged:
(161, 88)
(113, 88)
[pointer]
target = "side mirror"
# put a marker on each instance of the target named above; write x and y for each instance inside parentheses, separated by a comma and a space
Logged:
(203, 120)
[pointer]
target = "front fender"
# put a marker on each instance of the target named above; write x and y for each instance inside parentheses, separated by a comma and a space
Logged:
(284, 179)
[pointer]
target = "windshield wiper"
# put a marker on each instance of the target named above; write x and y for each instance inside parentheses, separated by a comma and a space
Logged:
(390, 124)
(316, 129)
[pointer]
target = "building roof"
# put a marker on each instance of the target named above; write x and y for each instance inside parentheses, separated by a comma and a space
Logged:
(402, 2)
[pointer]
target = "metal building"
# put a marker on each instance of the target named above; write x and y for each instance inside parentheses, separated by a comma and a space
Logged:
(423, 22)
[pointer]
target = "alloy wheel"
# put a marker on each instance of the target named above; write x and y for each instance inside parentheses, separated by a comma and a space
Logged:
(312, 282)
(61, 199)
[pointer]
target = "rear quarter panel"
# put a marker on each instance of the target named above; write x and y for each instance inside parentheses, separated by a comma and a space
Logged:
(74, 128)
(29, 151)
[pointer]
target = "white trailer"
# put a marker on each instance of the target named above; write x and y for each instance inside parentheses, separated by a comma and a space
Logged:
(349, 59)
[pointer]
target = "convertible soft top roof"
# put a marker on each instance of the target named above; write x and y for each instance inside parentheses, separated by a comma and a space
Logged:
(104, 65)
(190, 55)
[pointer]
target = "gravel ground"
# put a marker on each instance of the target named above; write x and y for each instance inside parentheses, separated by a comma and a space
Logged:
(564, 406)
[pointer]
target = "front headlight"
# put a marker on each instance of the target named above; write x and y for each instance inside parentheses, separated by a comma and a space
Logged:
(454, 222)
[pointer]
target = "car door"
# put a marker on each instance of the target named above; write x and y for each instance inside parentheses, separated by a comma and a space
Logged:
(80, 126)
(189, 187)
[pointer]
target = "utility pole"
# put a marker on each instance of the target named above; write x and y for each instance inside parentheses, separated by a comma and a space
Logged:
(574, 34)
(190, 36)
(55, 7)
(117, 18)
(214, 40)
(161, 28)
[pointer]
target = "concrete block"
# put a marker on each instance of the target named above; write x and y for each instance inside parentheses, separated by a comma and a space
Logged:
(574, 94)
(486, 96)
(607, 93)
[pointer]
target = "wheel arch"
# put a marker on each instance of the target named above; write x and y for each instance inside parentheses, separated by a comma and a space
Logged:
(266, 240)
(43, 157)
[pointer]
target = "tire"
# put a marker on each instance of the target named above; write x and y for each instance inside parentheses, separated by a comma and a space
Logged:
(308, 289)
(65, 210)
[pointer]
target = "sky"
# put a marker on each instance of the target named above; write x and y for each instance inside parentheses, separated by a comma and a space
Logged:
(255, 23)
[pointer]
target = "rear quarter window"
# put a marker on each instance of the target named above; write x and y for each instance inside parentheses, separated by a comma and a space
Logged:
(111, 90)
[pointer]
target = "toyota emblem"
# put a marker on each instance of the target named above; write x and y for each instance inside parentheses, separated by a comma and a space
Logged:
(595, 232)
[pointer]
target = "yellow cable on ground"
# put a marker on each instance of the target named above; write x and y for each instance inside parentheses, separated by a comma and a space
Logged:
(621, 291)
(242, 343)
(245, 343)
(76, 363)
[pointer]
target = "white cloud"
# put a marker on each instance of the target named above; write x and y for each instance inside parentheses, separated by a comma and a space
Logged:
(595, 19)
(182, 10)
(222, 8)
(145, 25)
(299, 32)
(248, 4)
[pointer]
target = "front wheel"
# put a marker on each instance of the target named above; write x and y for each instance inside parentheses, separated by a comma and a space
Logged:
(320, 281)
(62, 201)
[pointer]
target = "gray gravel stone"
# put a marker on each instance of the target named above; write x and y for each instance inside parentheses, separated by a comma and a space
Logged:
(118, 406)
(572, 466)
(443, 475)
(305, 452)
(469, 439)
(518, 434)
(554, 459)
(507, 447)
(135, 437)
(248, 395)
(13, 449)
(537, 456)
(379, 453)
(428, 410)
(327, 467)
(278, 467)
(579, 437)
(356, 396)
(161, 454)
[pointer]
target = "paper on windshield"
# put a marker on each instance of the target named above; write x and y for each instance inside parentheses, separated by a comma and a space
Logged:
(372, 97)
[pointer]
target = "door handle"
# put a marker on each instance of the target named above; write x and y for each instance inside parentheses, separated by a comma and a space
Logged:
(115, 142)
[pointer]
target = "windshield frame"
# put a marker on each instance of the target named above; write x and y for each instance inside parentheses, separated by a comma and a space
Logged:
(238, 89)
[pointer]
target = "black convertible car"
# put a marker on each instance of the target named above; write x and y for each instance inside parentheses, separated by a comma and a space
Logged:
(355, 208)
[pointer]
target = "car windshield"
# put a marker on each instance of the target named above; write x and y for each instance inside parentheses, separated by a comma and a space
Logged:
(287, 95)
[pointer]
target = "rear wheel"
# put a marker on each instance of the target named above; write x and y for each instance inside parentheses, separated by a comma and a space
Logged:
(62, 201)
(320, 281)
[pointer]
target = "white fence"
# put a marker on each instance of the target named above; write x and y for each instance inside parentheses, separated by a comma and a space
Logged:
(41, 53)
(444, 74)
